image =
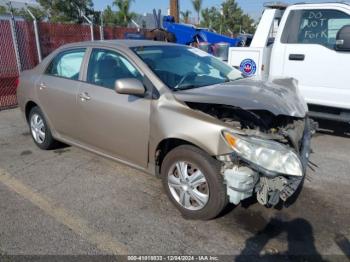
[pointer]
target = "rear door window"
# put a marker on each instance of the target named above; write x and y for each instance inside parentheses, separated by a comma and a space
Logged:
(67, 64)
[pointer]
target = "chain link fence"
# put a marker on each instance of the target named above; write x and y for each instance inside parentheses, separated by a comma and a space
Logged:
(19, 49)
(8, 66)
(53, 36)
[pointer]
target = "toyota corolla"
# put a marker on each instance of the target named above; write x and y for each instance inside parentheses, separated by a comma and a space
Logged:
(174, 111)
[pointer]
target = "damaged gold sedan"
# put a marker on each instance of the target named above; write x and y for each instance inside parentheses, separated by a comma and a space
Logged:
(212, 136)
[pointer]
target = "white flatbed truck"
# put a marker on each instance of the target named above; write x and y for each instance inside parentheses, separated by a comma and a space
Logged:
(311, 44)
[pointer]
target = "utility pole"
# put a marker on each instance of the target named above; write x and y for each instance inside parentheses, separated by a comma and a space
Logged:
(174, 10)
(101, 26)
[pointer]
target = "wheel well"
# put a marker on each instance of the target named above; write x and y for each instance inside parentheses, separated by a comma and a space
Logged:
(164, 147)
(29, 107)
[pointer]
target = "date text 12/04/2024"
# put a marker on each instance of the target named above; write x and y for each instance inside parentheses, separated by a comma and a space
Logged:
(173, 258)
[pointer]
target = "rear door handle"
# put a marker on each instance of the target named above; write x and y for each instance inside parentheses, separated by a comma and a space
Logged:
(297, 57)
(84, 96)
(42, 86)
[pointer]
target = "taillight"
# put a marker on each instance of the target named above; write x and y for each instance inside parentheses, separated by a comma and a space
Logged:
(17, 82)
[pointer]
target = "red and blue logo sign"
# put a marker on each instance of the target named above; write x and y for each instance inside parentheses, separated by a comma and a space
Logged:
(248, 67)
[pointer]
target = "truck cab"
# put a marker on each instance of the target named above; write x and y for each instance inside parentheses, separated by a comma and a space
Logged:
(311, 44)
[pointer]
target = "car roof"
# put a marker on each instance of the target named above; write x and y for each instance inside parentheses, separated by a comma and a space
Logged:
(121, 43)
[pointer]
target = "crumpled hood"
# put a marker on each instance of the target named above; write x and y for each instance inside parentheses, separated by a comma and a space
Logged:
(280, 96)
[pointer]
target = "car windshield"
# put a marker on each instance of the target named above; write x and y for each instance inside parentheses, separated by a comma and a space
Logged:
(182, 67)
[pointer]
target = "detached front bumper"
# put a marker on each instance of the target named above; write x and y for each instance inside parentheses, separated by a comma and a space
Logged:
(294, 182)
(245, 179)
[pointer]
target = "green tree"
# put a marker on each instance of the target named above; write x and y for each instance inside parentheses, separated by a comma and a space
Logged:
(234, 18)
(124, 14)
(68, 10)
(185, 16)
(38, 13)
(230, 19)
(211, 18)
(109, 16)
(197, 6)
(248, 24)
(3, 10)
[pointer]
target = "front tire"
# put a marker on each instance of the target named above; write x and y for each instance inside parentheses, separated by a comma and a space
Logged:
(39, 130)
(193, 182)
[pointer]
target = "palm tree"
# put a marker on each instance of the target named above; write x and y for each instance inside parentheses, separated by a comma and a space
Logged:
(124, 14)
(3, 10)
(109, 16)
(197, 5)
(186, 16)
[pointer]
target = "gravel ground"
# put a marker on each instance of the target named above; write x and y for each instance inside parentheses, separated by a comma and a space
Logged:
(72, 202)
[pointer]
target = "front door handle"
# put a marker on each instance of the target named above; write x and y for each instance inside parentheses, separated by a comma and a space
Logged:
(84, 96)
(297, 57)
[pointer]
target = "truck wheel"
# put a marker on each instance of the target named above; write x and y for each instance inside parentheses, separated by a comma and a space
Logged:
(159, 34)
(39, 130)
(170, 37)
(193, 182)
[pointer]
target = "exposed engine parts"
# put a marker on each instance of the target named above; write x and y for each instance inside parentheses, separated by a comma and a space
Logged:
(268, 190)
(240, 183)
(259, 123)
(236, 117)
(243, 179)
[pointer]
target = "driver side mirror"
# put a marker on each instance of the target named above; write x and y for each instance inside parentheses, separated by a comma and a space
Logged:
(129, 86)
(342, 42)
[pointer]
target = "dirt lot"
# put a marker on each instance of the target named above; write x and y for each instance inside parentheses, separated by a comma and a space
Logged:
(69, 201)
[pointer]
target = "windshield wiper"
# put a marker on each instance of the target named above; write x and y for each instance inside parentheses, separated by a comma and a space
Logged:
(232, 80)
(184, 87)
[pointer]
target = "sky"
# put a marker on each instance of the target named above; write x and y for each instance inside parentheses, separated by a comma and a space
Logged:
(252, 7)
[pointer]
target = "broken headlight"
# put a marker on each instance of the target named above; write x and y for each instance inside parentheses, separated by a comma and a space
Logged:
(267, 154)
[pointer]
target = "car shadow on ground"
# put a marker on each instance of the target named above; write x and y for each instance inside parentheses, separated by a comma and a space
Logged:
(301, 246)
(333, 128)
(344, 244)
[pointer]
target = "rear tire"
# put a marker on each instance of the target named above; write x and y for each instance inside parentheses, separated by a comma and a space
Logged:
(40, 130)
(204, 201)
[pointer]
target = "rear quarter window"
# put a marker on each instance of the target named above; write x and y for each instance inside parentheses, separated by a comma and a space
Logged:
(67, 64)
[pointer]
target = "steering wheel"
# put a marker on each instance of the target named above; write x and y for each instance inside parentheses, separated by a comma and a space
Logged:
(189, 74)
